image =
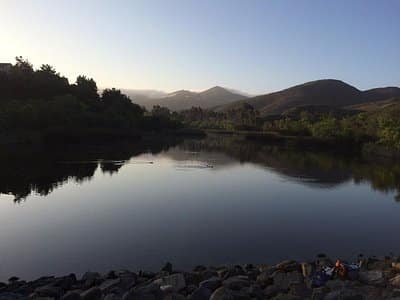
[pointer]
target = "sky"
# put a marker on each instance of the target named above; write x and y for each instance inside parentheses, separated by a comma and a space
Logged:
(254, 46)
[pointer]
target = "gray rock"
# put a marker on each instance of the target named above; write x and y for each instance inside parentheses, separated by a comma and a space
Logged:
(93, 293)
(147, 291)
(256, 291)
(225, 273)
(151, 288)
(335, 284)
(109, 284)
(222, 293)
(71, 296)
(111, 296)
(207, 274)
(286, 297)
(127, 280)
(264, 277)
(49, 291)
(212, 284)
(236, 282)
(347, 294)
(131, 295)
(300, 290)
(65, 282)
(11, 296)
(202, 293)
(371, 277)
(176, 280)
(319, 293)
(42, 281)
(271, 291)
(174, 296)
(284, 280)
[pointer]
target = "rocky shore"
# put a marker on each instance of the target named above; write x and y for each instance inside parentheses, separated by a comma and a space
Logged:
(372, 278)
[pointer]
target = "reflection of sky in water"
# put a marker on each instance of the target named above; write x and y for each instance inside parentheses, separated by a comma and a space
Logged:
(149, 213)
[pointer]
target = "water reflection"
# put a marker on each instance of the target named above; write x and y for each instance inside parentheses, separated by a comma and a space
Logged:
(41, 170)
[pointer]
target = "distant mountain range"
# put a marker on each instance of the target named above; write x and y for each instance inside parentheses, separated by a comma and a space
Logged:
(184, 99)
(326, 92)
(319, 93)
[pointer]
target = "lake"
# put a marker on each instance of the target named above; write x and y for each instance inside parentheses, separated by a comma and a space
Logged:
(219, 200)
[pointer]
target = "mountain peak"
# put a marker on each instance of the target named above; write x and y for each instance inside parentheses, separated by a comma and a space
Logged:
(323, 92)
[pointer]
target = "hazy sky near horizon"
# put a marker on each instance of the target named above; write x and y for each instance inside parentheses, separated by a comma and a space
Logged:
(255, 46)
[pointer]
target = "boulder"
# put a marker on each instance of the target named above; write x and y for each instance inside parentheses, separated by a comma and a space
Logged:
(236, 283)
(300, 290)
(212, 284)
(132, 295)
(151, 288)
(255, 291)
(271, 291)
(174, 296)
(65, 282)
(230, 272)
(264, 277)
(371, 277)
(207, 274)
(111, 296)
(284, 280)
(175, 280)
(286, 297)
(71, 296)
(93, 293)
(222, 293)
(11, 296)
(49, 291)
(202, 293)
(319, 293)
(147, 291)
(109, 284)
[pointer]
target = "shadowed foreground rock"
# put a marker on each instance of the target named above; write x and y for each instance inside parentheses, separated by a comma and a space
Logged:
(373, 279)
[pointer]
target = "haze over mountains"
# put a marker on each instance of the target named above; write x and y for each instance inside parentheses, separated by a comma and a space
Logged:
(184, 99)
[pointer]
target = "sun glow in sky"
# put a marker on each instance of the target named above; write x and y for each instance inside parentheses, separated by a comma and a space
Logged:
(254, 46)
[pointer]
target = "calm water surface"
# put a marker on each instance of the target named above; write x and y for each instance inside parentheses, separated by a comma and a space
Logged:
(212, 201)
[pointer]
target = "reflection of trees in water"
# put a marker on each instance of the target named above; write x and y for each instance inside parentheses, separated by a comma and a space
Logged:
(41, 170)
(316, 168)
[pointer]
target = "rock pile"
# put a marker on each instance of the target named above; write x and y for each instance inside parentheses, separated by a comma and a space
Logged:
(376, 279)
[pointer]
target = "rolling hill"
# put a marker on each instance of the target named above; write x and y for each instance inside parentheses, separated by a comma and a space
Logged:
(183, 99)
(326, 92)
